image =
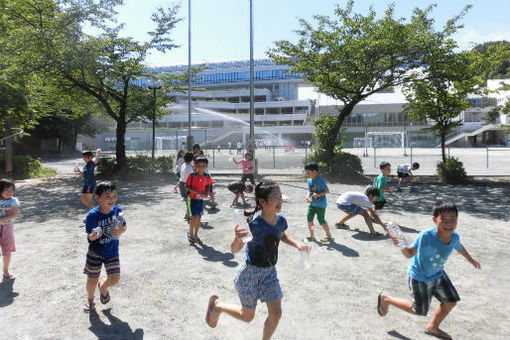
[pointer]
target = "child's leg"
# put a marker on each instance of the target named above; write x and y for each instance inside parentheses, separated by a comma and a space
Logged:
(235, 311)
(194, 225)
(234, 202)
(440, 314)
(345, 219)
(91, 288)
(111, 280)
(321, 212)
(7, 261)
(404, 304)
(368, 221)
(274, 309)
(309, 218)
(87, 200)
(243, 198)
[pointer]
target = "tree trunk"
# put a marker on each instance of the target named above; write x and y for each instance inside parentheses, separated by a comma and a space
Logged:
(120, 145)
(346, 110)
(443, 145)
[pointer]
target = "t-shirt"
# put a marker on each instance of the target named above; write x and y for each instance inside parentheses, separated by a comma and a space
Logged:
(237, 186)
(88, 174)
(262, 250)
(247, 166)
(106, 245)
(180, 162)
(316, 186)
(6, 207)
(404, 168)
(199, 183)
(381, 182)
(356, 198)
(428, 263)
(186, 169)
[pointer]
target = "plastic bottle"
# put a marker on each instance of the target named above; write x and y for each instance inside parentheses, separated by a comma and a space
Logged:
(115, 223)
(306, 251)
(395, 231)
(97, 231)
(241, 220)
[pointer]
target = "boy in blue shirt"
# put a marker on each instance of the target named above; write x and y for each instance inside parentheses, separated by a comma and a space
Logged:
(89, 180)
(317, 190)
(427, 277)
(103, 224)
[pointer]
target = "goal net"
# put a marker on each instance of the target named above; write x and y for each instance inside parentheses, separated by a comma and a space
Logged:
(389, 139)
(363, 142)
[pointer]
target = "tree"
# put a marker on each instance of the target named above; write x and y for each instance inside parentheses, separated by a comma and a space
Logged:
(354, 56)
(449, 77)
(502, 69)
(103, 69)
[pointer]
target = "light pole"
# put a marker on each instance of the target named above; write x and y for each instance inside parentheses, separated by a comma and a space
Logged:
(252, 96)
(154, 88)
(190, 137)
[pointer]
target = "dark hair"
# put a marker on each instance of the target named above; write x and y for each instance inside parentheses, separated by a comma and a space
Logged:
(195, 146)
(188, 157)
(444, 206)
(87, 153)
(249, 187)
(104, 186)
(372, 191)
(6, 183)
(416, 165)
(384, 164)
(201, 159)
(248, 153)
(312, 167)
(262, 192)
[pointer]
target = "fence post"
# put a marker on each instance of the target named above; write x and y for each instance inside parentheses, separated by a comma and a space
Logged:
(411, 147)
(375, 157)
(274, 159)
(487, 158)
(305, 149)
(213, 158)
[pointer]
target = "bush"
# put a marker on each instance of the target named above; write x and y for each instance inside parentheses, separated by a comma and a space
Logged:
(451, 171)
(139, 164)
(343, 166)
(27, 167)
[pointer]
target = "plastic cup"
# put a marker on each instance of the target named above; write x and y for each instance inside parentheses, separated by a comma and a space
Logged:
(305, 253)
(248, 237)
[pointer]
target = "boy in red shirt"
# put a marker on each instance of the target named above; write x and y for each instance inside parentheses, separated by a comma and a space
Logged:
(199, 186)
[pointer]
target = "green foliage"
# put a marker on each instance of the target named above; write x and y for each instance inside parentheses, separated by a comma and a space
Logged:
(325, 134)
(342, 167)
(452, 171)
(27, 167)
(136, 165)
(500, 70)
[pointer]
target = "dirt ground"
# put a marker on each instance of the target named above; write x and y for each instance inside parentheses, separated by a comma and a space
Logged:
(166, 283)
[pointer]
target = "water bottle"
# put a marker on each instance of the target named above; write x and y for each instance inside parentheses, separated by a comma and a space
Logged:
(306, 251)
(241, 220)
(115, 223)
(395, 231)
(97, 231)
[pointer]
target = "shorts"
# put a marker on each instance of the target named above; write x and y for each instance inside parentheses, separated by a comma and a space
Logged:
(93, 265)
(351, 209)
(402, 174)
(88, 189)
(316, 210)
(195, 207)
(379, 204)
(257, 283)
(182, 189)
(422, 293)
(249, 177)
(7, 243)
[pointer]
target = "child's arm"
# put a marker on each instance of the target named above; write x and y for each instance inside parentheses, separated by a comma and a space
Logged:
(199, 195)
(407, 251)
(290, 241)
(468, 257)
(235, 162)
(11, 215)
(319, 194)
(96, 160)
(237, 243)
(377, 219)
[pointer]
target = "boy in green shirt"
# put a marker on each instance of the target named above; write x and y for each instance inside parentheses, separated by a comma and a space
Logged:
(381, 183)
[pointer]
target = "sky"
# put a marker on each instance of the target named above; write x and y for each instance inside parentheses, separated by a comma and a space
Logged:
(220, 28)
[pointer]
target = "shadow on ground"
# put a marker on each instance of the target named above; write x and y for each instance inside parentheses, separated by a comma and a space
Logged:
(116, 329)
(332, 245)
(397, 335)
(213, 255)
(7, 294)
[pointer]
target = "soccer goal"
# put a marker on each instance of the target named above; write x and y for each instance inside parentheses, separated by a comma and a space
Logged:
(389, 139)
(362, 142)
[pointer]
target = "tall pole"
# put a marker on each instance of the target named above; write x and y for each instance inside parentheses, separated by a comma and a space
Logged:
(190, 137)
(252, 94)
(154, 88)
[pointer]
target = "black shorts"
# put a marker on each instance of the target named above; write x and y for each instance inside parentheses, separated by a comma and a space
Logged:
(249, 177)
(402, 174)
(379, 204)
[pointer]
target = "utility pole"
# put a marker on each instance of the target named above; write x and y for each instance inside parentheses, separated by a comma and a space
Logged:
(190, 137)
(252, 95)
(154, 88)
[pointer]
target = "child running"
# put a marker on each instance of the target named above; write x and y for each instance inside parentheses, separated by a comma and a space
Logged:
(257, 279)
(89, 180)
(381, 183)
(199, 185)
(247, 165)
(9, 208)
(354, 203)
(239, 188)
(178, 165)
(103, 225)
(317, 190)
(427, 277)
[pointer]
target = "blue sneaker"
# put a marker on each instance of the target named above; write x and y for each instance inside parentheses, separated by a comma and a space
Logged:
(399, 189)
(414, 188)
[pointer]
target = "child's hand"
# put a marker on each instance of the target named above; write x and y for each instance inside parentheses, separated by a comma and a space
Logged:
(395, 239)
(315, 196)
(240, 232)
(94, 237)
(305, 247)
(476, 264)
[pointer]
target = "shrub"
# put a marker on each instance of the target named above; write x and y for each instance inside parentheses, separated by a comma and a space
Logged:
(27, 167)
(136, 165)
(451, 171)
(342, 166)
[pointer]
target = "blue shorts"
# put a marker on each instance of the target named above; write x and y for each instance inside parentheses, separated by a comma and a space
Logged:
(88, 189)
(195, 207)
(422, 292)
(182, 188)
(351, 209)
(257, 283)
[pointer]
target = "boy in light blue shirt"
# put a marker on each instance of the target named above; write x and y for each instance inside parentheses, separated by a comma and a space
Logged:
(427, 277)
(317, 190)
